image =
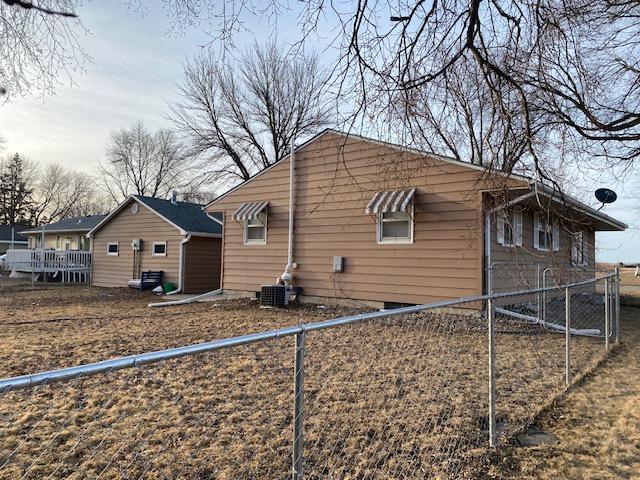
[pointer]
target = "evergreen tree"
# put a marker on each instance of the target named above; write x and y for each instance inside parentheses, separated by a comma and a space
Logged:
(16, 204)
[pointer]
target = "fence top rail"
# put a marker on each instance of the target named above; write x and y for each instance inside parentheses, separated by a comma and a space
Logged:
(105, 366)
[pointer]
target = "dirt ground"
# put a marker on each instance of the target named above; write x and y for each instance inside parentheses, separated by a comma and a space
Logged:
(404, 397)
(597, 423)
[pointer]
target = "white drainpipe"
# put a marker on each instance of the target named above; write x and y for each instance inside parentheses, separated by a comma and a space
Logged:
(287, 276)
(180, 267)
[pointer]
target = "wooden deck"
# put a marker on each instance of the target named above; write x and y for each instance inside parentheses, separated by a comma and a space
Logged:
(72, 266)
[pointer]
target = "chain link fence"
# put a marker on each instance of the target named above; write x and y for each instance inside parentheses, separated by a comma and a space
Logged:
(416, 392)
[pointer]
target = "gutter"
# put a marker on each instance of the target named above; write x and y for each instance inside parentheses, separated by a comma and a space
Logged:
(555, 195)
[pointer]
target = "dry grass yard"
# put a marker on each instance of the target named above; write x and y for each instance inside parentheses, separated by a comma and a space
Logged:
(404, 397)
(597, 423)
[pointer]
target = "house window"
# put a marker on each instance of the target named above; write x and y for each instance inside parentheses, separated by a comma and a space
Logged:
(546, 235)
(578, 256)
(396, 227)
(112, 248)
(159, 249)
(509, 226)
(59, 242)
(255, 229)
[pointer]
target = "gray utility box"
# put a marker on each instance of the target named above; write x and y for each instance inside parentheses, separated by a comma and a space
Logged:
(338, 264)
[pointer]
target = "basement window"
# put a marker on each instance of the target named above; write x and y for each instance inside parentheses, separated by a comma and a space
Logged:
(255, 229)
(112, 248)
(159, 249)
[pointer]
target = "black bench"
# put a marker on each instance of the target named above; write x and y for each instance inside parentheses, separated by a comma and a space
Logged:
(151, 279)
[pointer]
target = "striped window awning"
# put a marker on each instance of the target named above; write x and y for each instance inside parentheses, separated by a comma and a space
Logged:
(248, 211)
(392, 201)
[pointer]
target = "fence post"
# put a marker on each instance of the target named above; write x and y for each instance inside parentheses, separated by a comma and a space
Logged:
(298, 407)
(492, 373)
(567, 326)
(606, 313)
(617, 290)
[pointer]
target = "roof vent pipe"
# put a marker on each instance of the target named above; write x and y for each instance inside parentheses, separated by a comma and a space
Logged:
(174, 197)
(287, 276)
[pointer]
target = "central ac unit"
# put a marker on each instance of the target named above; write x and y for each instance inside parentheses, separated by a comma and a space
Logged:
(275, 295)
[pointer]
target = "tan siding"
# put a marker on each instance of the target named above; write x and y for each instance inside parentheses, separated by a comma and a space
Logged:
(202, 262)
(516, 267)
(116, 271)
(335, 181)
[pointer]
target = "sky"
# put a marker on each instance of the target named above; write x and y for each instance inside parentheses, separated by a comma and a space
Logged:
(135, 70)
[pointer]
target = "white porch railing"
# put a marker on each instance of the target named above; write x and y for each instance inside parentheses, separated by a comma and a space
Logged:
(71, 265)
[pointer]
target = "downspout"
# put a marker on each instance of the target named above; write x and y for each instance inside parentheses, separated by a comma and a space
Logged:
(180, 267)
(287, 276)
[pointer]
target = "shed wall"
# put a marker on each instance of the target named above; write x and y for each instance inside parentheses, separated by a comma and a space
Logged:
(116, 271)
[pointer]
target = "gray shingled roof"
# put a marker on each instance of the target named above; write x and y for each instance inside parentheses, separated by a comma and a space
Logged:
(5, 233)
(188, 216)
(72, 224)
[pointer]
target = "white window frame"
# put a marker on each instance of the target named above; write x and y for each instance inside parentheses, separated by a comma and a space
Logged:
(117, 252)
(514, 221)
(247, 240)
(394, 240)
(553, 232)
(153, 249)
(577, 239)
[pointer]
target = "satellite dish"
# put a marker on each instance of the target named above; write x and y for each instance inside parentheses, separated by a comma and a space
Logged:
(606, 195)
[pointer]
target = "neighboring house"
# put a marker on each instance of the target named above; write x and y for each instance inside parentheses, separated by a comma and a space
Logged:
(11, 239)
(406, 226)
(152, 234)
(67, 234)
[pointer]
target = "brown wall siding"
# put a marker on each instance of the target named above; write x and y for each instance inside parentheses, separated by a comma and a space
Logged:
(512, 266)
(116, 271)
(202, 262)
(335, 181)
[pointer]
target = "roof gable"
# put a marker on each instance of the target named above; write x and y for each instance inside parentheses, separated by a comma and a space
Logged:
(184, 216)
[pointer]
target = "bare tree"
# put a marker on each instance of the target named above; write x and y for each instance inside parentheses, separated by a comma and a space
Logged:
(59, 193)
(39, 43)
(143, 163)
(239, 117)
(499, 82)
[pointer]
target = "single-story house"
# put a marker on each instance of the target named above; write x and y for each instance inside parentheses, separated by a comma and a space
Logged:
(11, 239)
(153, 234)
(67, 234)
(379, 223)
